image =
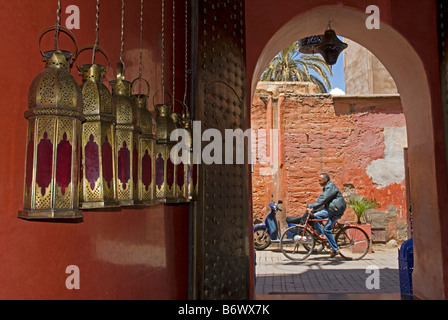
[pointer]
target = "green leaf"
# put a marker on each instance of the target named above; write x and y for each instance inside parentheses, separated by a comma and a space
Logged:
(290, 65)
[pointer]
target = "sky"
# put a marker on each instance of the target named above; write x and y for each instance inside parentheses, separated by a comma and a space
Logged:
(338, 78)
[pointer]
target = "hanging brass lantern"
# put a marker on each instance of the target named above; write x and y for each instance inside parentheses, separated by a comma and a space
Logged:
(179, 170)
(165, 169)
(127, 136)
(330, 47)
(98, 183)
(146, 190)
(54, 127)
(188, 189)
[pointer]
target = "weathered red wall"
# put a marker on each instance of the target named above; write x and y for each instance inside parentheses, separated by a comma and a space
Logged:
(127, 254)
(340, 136)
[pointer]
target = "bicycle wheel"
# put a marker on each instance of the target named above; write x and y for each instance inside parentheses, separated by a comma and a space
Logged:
(353, 242)
(262, 240)
(297, 243)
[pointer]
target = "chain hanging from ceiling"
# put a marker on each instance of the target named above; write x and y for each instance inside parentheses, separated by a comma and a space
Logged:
(146, 143)
(165, 187)
(186, 123)
(127, 131)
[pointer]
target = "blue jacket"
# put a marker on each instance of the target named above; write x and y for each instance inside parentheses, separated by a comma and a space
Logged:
(331, 198)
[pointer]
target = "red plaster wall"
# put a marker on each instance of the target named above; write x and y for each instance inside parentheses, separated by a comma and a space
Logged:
(127, 254)
(317, 137)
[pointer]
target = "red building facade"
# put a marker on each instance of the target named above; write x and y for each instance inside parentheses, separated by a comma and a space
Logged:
(358, 141)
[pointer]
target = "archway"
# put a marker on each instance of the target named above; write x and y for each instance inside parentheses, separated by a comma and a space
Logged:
(410, 76)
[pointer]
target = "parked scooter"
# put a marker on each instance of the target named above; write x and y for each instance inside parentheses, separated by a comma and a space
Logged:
(268, 231)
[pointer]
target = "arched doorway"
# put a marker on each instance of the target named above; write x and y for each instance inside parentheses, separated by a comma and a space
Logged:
(411, 78)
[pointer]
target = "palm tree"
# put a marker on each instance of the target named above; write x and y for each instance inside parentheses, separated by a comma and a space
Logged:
(290, 65)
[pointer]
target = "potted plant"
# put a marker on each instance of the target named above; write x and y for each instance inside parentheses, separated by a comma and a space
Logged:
(360, 204)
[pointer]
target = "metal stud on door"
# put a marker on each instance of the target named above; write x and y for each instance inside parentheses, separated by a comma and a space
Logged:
(221, 247)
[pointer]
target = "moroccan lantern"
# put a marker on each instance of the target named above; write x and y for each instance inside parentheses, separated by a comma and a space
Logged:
(146, 190)
(330, 47)
(53, 139)
(179, 171)
(188, 164)
(98, 183)
(165, 169)
(127, 138)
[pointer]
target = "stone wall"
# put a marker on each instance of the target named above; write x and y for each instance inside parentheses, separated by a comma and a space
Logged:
(364, 73)
(357, 140)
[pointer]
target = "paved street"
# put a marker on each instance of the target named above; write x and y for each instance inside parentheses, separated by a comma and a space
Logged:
(277, 275)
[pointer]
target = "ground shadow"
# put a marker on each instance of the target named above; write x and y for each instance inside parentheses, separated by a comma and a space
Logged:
(328, 281)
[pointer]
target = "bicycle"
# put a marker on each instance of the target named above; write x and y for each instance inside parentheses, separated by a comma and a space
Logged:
(298, 242)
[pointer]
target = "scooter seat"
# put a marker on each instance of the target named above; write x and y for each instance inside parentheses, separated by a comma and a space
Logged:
(293, 220)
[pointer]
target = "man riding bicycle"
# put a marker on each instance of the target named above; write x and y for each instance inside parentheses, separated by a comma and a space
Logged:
(330, 204)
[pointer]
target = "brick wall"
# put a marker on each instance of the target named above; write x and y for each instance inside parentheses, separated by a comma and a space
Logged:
(357, 140)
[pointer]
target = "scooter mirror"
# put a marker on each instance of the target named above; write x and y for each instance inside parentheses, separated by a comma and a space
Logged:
(280, 201)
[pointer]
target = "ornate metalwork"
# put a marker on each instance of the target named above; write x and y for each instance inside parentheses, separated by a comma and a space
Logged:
(188, 190)
(330, 47)
(327, 44)
(164, 167)
(307, 45)
(179, 180)
(54, 126)
(127, 135)
(221, 259)
(146, 190)
(98, 185)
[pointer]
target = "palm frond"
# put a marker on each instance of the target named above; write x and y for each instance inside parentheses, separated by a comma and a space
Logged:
(290, 65)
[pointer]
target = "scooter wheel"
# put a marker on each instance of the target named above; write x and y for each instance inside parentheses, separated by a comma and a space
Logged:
(262, 240)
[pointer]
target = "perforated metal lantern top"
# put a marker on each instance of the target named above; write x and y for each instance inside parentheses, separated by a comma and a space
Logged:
(145, 118)
(55, 87)
(125, 108)
(97, 98)
(165, 124)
